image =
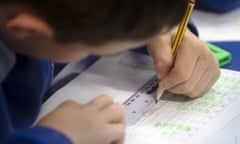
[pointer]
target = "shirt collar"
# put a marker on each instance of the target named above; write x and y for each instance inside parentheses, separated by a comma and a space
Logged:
(7, 60)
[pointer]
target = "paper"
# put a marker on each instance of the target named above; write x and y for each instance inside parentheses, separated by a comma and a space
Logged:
(229, 134)
(175, 119)
(218, 27)
(118, 76)
(184, 121)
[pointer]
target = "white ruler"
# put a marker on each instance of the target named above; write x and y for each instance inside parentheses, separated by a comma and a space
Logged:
(141, 101)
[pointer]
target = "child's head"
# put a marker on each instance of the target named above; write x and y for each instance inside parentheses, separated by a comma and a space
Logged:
(47, 28)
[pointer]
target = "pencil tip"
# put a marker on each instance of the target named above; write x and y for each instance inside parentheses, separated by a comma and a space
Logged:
(159, 94)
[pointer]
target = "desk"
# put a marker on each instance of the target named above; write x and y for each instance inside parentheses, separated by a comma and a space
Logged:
(218, 27)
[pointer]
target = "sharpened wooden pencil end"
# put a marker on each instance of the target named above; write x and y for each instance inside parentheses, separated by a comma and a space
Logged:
(159, 93)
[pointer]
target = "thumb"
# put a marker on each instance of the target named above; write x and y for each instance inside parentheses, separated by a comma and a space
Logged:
(161, 51)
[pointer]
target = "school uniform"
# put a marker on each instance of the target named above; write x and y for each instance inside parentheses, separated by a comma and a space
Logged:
(23, 83)
(24, 80)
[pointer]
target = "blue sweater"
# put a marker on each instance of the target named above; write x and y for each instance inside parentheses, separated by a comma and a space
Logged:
(23, 83)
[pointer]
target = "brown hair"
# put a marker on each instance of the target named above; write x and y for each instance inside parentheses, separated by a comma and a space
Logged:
(100, 21)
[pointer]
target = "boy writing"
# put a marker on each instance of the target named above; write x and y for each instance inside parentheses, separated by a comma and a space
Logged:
(33, 33)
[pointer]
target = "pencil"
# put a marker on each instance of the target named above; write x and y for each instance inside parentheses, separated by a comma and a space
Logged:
(178, 39)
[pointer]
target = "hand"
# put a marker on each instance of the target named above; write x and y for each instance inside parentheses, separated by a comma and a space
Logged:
(192, 72)
(101, 121)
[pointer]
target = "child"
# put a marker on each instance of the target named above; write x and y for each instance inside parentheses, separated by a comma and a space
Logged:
(33, 33)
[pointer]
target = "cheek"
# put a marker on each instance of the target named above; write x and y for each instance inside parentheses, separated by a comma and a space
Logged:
(78, 57)
(70, 57)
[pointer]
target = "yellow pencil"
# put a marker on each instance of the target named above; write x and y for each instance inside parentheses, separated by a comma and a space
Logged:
(179, 37)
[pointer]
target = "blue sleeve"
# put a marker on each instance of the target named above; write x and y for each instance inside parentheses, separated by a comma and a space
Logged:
(219, 6)
(37, 135)
(193, 27)
(33, 135)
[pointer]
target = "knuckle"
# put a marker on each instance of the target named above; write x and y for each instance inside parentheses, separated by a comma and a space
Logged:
(164, 62)
(162, 72)
(181, 74)
(103, 98)
(162, 69)
(120, 109)
(187, 89)
(193, 94)
(120, 106)
(108, 98)
(69, 103)
(206, 55)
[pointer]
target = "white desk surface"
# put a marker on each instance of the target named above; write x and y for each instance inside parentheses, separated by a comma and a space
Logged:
(218, 27)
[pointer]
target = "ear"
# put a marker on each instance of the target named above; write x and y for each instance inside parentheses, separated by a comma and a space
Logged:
(24, 25)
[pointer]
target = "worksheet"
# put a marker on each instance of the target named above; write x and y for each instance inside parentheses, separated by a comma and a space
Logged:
(176, 119)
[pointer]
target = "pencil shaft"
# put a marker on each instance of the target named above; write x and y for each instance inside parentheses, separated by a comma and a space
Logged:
(182, 28)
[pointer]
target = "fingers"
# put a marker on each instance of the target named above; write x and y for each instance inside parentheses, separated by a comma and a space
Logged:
(116, 133)
(194, 88)
(115, 113)
(101, 102)
(112, 112)
(116, 117)
(208, 82)
(161, 52)
(195, 71)
(184, 82)
(183, 67)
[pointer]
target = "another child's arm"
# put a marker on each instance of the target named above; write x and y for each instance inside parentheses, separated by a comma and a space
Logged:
(194, 70)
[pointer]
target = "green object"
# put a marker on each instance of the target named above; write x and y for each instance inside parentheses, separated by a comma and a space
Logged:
(223, 56)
